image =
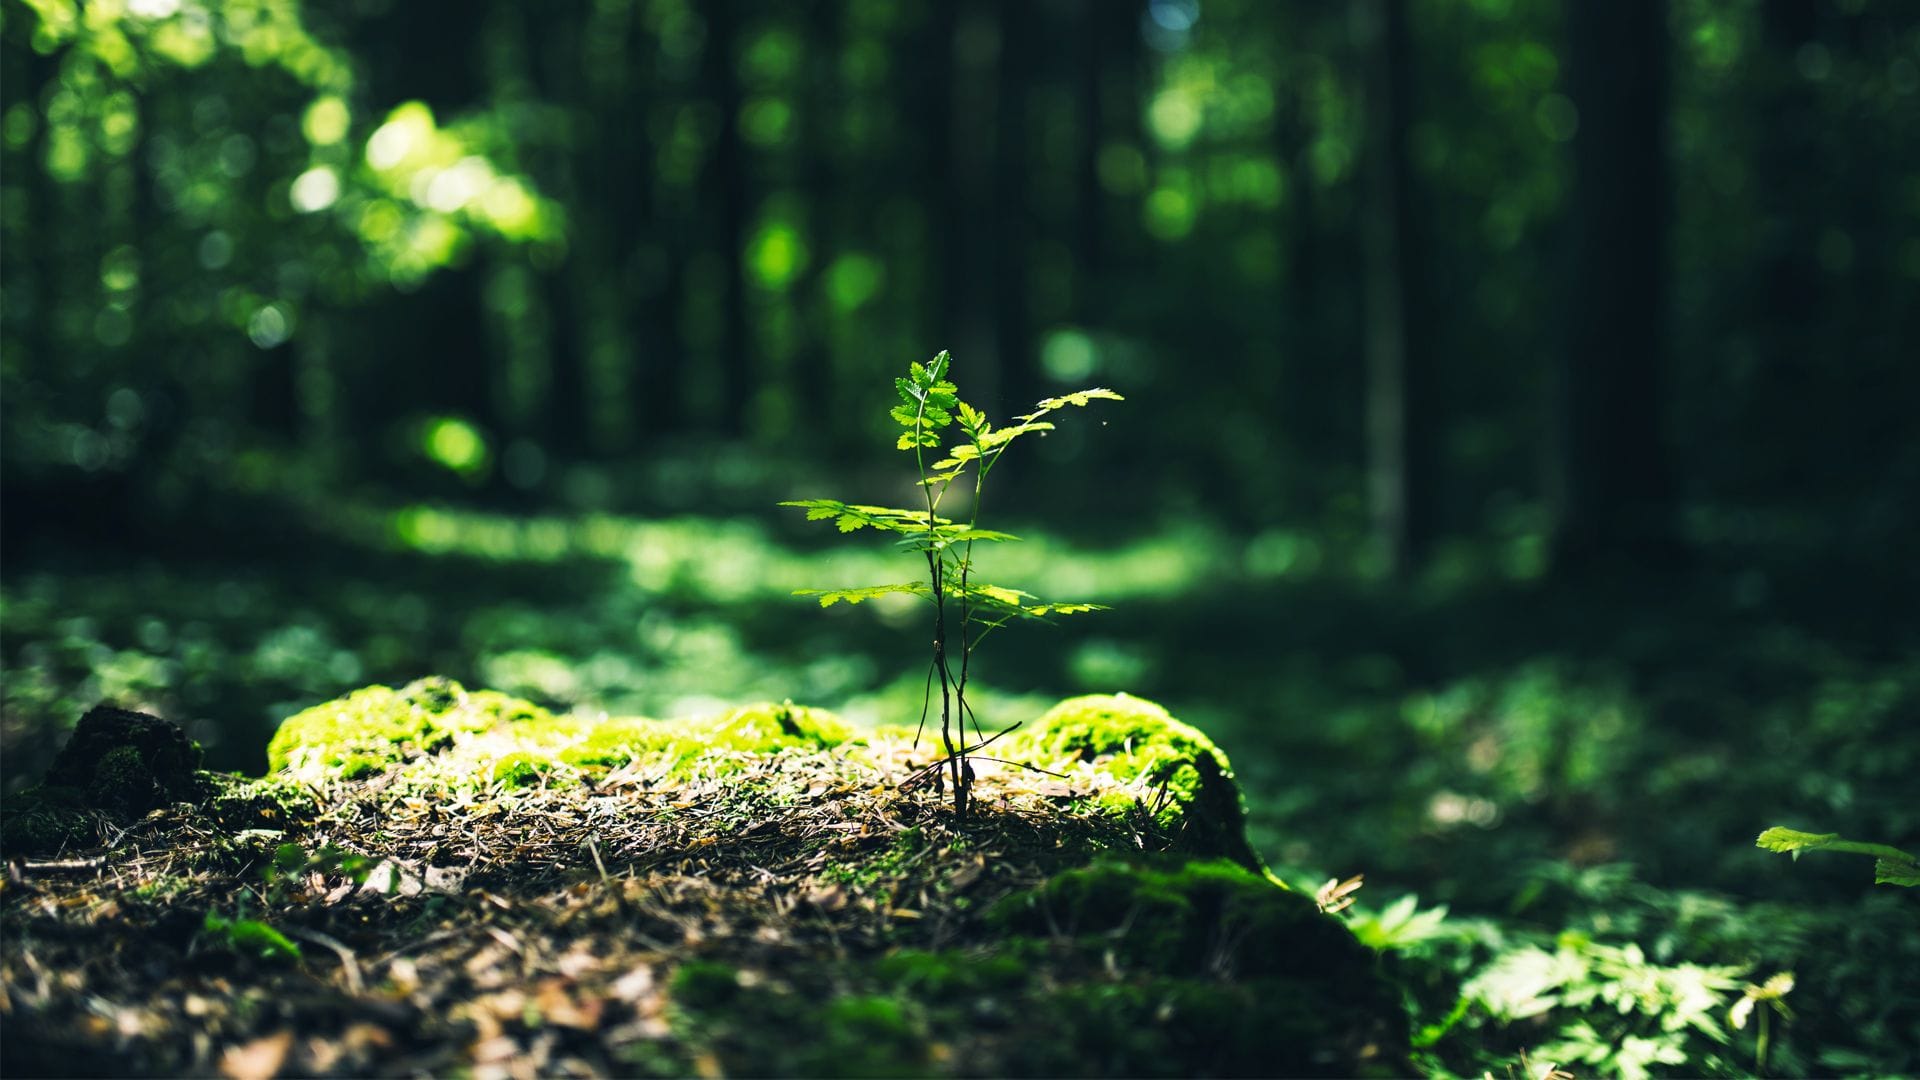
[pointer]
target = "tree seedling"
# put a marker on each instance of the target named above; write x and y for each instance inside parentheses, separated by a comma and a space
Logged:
(965, 610)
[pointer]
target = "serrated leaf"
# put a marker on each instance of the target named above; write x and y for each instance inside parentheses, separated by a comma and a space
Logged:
(968, 534)
(1793, 840)
(957, 457)
(1080, 398)
(908, 414)
(1077, 398)
(830, 597)
(1044, 610)
(1007, 435)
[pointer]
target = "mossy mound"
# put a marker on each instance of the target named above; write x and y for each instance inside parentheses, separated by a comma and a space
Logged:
(364, 732)
(1212, 957)
(435, 733)
(1165, 968)
(754, 893)
(117, 765)
(1147, 761)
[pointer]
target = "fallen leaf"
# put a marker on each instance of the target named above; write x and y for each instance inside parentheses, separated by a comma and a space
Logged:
(260, 1059)
(829, 899)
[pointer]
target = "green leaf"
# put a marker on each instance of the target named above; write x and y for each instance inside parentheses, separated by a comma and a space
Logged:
(1896, 872)
(1793, 840)
(959, 456)
(908, 414)
(851, 516)
(250, 937)
(1045, 610)
(1077, 398)
(968, 534)
(1080, 398)
(830, 597)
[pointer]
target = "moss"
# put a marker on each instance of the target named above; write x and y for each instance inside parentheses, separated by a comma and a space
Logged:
(755, 1029)
(952, 973)
(48, 818)
(703, 984)
(128, 762)
(439, 732)
(1211, 963)
(521, 770)
(117, 765)
(364, 732)
(1163, 769)
(865, 1035)
(269, 802)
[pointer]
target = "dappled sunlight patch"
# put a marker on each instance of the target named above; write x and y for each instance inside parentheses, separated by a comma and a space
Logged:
(734, 561)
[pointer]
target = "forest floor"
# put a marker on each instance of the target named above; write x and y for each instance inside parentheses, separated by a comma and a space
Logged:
(783, 909)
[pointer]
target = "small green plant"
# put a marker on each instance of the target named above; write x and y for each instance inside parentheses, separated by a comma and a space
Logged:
(249, 937)
(1891, 866)
(965, 609)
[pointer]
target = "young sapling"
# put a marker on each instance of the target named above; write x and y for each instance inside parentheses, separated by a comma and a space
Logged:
(965, 609)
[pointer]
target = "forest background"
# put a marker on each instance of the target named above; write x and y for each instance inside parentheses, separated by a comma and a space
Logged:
(1517, 475)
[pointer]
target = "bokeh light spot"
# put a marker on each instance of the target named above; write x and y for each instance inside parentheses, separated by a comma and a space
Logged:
(314, 190)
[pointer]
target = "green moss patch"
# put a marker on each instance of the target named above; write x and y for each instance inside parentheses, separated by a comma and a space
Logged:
(437, 733)
(1140, 760)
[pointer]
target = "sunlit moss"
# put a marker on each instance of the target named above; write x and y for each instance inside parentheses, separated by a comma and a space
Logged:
(379, 724)
(1168, 770)
(440, 733)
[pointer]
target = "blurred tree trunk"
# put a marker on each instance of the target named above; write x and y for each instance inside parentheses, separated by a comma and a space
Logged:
(726, 181)
(1013, 351)
(972, 329)
(1787, 290)
(939, 181)
(1613, 491)
(812, 381)
(1096, 28)
(552, 42)
(1290, 386)
(1398, 464)
(647, 272)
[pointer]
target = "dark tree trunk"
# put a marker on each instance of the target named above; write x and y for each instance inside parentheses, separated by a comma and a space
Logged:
(1097, 21)
(1012, 335)
(1613, 487)
(726, 181)
(1398, 464)
(812, 378)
